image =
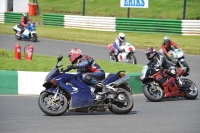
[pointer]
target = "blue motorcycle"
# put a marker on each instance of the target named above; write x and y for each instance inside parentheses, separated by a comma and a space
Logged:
(68, 92)
(28, 33)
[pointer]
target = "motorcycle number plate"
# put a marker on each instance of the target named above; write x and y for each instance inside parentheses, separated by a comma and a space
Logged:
(178, 53)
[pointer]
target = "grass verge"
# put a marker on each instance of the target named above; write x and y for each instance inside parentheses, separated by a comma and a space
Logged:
(46, 63)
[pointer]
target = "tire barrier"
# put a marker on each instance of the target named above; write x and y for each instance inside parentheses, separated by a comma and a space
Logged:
(53, 19)
(8, 82)
(12, 17)
(148, 25)
(1, 17)
(145, 25)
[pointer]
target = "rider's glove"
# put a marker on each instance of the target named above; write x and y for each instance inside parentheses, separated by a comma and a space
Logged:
(169, 56)
(73, 66)
(63, 70)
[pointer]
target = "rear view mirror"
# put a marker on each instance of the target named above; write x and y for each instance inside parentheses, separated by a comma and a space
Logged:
(60, 57)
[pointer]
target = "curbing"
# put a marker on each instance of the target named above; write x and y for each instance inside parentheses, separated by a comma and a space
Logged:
(30, 83)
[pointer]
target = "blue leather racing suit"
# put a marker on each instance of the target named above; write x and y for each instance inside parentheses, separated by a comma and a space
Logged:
(89, 68)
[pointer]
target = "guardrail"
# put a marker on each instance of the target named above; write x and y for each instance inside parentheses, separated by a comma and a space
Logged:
(1, 17)
(191, 27)
(12, 17)
(90, 22)
(53, 19)
(184, 27)
(148, 25)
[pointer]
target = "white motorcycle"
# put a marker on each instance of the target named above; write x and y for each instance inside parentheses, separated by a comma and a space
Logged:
(126, 54)
(177, 57)
(29, 32)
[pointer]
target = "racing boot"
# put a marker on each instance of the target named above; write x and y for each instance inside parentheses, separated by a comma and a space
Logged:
(116, 57)
(100, 96)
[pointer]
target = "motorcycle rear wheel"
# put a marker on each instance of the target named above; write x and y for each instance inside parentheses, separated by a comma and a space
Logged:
(131, 59)
(50, 107)
(18, 37)
(112, 57)
(192, 92)
(152, 93)
(125, 104)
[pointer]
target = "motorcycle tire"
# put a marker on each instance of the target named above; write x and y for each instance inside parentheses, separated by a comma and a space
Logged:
(153, 94)
(112, 57)
(131, 59)
(184, 63)
(18, 37)
(34, 37)
(119, 107)
(192, 92)
(49, 107)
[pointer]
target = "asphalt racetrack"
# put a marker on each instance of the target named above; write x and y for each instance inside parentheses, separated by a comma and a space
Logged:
(21, 114)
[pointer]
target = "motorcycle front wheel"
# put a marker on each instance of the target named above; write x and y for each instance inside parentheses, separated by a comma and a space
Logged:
(51, 106)
(186, 65)
(34, 37)
(153, 93)
(123, 103)
(192, 92)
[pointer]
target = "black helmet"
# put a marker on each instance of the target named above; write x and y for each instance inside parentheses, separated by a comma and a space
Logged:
(150, 52)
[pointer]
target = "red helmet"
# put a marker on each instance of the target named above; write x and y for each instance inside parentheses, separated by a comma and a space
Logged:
(74, 54)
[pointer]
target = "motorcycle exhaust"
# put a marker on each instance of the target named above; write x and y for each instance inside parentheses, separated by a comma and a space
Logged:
(121, 80)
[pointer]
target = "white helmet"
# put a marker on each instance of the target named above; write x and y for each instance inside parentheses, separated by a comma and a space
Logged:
(121, 36)
(24, 15)
(166, 39)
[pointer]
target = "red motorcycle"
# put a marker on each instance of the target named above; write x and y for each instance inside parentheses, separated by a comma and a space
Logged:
(158, 84)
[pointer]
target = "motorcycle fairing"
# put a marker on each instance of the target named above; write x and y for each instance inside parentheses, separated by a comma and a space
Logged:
(171, 88)
(25, 34)
(32, 32)
(79, 92)
(110, 78)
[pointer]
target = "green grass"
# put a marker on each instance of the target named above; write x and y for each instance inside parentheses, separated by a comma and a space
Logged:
(162, 9)
(44, 64)
(165, 9)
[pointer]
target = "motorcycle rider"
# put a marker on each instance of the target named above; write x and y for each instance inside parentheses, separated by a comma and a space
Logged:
(117, 43)
(23, 22)
(92, 73)
(160, 61)
(166, 46)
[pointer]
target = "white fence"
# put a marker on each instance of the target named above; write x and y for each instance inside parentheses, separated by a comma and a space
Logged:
(1, 17)
(90, 22)
(191, 27)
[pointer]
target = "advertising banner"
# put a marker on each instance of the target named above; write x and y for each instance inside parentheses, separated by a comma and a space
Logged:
(134, 3)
